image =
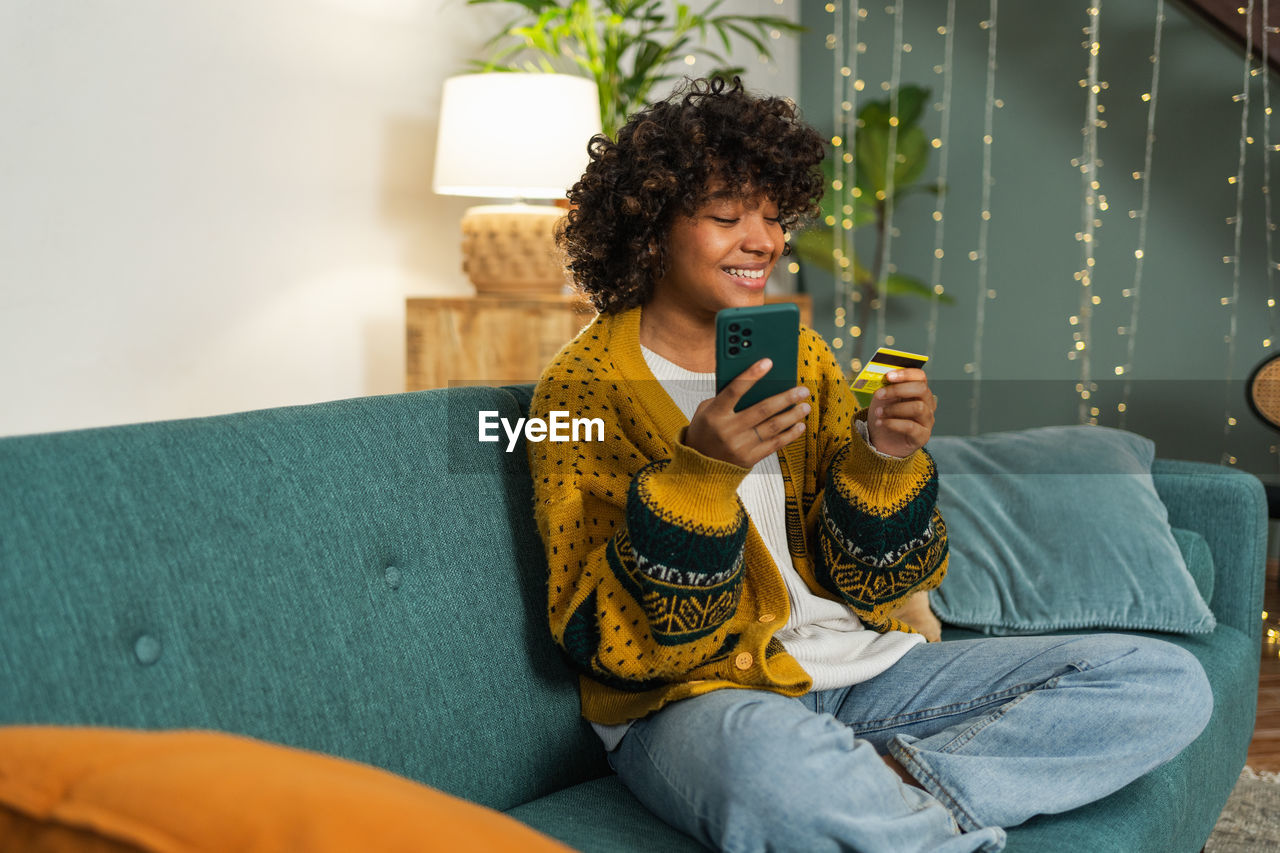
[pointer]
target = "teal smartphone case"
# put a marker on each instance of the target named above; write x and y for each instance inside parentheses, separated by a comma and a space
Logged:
(746, 335)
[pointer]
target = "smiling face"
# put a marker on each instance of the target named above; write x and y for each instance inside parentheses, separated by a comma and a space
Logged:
(720, 257)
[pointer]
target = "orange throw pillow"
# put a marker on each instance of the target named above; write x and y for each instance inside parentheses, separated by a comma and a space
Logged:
(122, 791)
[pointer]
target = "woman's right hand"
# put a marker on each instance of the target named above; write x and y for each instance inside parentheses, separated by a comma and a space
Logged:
(744, 438)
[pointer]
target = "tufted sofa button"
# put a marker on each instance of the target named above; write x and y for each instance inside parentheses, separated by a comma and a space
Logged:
(392, 577)
(147, 649)
(743, 660)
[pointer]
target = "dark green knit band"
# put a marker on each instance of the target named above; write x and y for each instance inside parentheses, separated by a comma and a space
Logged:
(677, 613)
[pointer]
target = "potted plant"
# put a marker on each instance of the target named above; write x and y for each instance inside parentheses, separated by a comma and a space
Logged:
(626, 46)
(866, 201)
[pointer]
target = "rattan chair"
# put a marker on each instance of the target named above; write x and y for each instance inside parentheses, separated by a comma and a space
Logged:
(1262, 392)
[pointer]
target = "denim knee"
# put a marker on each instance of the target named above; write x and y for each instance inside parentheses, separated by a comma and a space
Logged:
(1181, 698)
(1193, 705)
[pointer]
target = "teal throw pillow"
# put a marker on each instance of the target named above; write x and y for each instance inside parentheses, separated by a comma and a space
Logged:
(1060, 528)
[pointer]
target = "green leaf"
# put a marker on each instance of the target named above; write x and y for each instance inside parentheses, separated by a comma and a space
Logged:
(904, 285)
(912, 158)
(749, 36)
(911, 102)
(872, 144)
(814, 246)
(534, 6)
(834, 201)
(725, 72)
(927, 189)
(875, 114)
(769, 22)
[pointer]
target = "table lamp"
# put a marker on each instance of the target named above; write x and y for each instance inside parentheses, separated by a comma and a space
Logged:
(518, 136)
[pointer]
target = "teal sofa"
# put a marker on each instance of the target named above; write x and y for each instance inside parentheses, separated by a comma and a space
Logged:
(363, 578)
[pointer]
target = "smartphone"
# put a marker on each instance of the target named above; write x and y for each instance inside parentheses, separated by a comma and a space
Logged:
(746, 335)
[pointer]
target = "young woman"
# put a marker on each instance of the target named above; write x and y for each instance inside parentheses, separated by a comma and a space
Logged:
(743, 593)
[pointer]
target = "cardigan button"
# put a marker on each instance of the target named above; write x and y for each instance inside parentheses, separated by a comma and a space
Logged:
(743, 661)
(767, 617)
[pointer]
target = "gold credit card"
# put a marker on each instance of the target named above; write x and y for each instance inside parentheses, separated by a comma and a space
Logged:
(871, 377)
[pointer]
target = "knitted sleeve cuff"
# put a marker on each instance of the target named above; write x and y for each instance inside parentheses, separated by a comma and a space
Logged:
(879, 477)
(695, 488)
(877, 502)
(681, 555)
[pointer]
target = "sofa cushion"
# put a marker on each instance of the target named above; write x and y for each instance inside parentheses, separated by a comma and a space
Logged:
(82, 789)
(604, 817)
(361, 578)
(1199, 559)
(1058, 528)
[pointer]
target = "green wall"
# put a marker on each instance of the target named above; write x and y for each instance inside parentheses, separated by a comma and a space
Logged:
(1179, 393)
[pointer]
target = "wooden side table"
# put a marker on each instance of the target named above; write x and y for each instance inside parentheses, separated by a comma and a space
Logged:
(487, 339)
(495, 340)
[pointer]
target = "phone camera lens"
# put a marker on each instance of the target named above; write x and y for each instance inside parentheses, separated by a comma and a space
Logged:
(733, 339)
(746, 343)
(746, 331)
(733, 350)
(733, 327)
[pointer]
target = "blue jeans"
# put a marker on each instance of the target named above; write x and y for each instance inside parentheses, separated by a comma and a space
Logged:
(995, 730)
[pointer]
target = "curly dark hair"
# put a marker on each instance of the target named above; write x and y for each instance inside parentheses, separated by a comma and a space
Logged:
(663, 163)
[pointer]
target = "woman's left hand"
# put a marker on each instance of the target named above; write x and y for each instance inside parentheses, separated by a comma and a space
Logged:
(900, 419)
(917, 613)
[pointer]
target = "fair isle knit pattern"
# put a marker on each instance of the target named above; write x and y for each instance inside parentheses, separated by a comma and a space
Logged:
(659, 587)
(872, 553)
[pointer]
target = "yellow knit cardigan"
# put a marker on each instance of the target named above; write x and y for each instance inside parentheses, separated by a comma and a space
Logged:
(659, 586)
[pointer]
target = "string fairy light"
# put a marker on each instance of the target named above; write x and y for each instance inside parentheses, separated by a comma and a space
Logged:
(884, 263)
(975, 366)
(1238, 180)
(941, 143)
(1093, 199)
(842, 137)
(1135, 292)
(839, 124)
(844, 120)
(852, 85)
(1270, 631)
(1267, 148)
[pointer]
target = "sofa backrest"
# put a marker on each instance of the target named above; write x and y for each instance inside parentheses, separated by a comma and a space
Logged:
(359, 577)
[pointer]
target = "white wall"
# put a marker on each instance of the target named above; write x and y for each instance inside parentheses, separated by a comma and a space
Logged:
(221, 205)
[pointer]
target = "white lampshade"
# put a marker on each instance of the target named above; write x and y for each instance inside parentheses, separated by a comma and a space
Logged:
(514, 135)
